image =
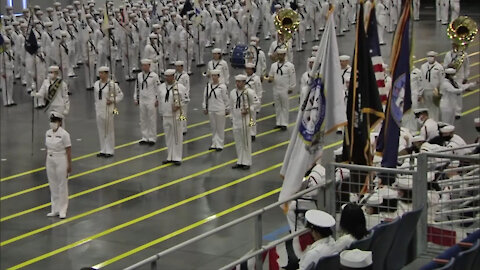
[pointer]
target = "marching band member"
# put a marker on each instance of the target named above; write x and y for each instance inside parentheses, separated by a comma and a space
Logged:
(243, 101)
(282, 74)
(6, 74)
(217, 105)
(107, 94)
(218, 63)
(145, 96)
(171, 98)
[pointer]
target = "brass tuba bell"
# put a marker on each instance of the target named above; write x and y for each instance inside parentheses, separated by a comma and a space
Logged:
(462, 32)
(286, 22)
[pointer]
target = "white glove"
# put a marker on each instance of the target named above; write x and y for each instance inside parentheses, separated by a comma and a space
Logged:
(65, 112)
(33, 93)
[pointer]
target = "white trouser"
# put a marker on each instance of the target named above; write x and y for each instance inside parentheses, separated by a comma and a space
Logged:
(200, 51)
(29, 70)
(458, 104)
(416, 9)
(127, 60)
(220, 42)
(56, 166)
(447, 110)
(281, 108)
(186, 55)
(90, 74)
(18, 67)
(433, 110)
(184, 123)
(292, 206)
(173, 138)
(381, 33)
(106, 133)
(455, 7)
(444, 5)
(217, 123)
(243, 145)
(7, 92)
(133, 56)
(253, 129)
(148, 120)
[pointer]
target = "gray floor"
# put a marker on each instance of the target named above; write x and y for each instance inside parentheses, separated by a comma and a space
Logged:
(91, 235)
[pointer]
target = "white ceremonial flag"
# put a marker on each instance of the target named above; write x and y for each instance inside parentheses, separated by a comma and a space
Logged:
(322, 112)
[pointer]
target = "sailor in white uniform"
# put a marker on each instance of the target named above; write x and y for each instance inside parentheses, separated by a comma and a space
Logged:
(58, 164)
(107, 94)
(243, 101)
(320, 224)
(218, 63)
(216, 105)
(282, 74)
(433, 74)
(450, 90)
(429, 127)
(146, 97)
(171, 98)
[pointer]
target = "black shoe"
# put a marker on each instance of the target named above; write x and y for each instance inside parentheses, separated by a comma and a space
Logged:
(237, 166)
(253, 138)
(339, 132)
(100, 155)
(130, 79)
(70, 93)
(108, 155)
(142, 142)
(283, 128)
(177, 163)
(245, 167)
(276, 127)
(457, 117)
(219, 149)
(212, 148)
(89, 88)
(151, 143)
(200, 65)
(184, 133)
(166, 161)
(13, 104)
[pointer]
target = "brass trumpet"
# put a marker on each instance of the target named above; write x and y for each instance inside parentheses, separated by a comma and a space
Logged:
(113, 96)
(462, 32)
(286, 22)
(177, 103)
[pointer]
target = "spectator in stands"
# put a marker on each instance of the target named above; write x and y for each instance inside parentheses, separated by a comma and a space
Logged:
(320, 224)
(353, 224)
(356, 259)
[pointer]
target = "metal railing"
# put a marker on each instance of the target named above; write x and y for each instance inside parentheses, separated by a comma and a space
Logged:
(257, 215)
(328, 201)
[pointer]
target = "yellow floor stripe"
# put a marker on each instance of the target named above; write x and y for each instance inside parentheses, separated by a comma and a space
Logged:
(474, 77)
(474, 64)
(125, 178)
(443, 53)
(184, 229)
(471, 92)
(21, 192)
(471, 111)
(117, 147)
(137, 195)
(142, 218)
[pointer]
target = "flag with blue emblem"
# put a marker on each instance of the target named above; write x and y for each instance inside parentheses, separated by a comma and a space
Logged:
(31, 44)
(322, 112)
(400, 97)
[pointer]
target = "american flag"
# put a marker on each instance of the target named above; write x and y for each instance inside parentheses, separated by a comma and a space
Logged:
(374, 48)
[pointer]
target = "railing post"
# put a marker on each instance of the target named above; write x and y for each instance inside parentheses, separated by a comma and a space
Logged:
(328, 191)
(153, 265)
(258, 241)
(419, 200)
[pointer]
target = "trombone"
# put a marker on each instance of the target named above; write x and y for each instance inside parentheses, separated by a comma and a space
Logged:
(176, 106)
(246, 109)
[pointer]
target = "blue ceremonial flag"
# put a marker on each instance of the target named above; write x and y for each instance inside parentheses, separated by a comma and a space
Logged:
(400, 97)
(31, 45)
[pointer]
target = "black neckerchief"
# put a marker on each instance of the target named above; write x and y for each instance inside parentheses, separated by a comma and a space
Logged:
(279, 68)
(179, 76)
(429, 71)
(212, 91)
(64, 47)
(215, 65)
(101, 89)
(221, 25)
(144, 82)
(168, 92)
(238, 23)
(343, 74)
(453, 82)
(238, 101)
